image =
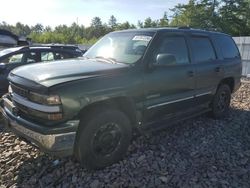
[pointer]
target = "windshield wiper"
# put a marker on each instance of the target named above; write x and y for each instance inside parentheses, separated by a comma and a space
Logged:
(109, 59)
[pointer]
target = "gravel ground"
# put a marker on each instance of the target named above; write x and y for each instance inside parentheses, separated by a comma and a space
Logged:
(200, 152)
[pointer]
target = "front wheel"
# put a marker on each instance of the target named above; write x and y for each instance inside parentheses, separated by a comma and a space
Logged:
(221, 101)
(103, 139)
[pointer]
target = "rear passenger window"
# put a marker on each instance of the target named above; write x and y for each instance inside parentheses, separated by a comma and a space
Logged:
(47, 56)
(202, 49)
(61, 55)
(175, 47)
(228, 47)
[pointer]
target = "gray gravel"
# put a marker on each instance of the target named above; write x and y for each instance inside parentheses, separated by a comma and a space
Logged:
(200, 152)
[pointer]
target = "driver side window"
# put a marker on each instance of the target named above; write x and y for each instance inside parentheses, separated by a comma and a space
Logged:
(172, 50)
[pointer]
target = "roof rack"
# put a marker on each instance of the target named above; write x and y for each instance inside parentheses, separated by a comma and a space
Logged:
(62, 46)
(212, 29)
(53, 45)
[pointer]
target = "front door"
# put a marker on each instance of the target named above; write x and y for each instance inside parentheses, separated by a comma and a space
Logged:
(169, 86)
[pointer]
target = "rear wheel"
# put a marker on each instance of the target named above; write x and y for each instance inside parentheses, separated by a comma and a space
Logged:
(103, 139)
(221, 102)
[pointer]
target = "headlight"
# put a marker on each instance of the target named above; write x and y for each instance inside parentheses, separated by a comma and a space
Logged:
(43, 99)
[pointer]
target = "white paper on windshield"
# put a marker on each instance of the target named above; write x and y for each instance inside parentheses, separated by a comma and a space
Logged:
(142, 38)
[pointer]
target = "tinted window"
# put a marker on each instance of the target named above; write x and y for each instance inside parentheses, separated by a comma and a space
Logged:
(228, 47)
(176, 48)
(202, 49)
(61, 55)
(31, 57)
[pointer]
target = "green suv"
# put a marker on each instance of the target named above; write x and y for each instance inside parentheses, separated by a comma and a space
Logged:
(126, 82)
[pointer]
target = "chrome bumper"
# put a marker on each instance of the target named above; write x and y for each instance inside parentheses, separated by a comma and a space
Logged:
(57, 144)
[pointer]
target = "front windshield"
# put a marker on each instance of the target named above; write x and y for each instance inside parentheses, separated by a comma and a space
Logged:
(122, 47)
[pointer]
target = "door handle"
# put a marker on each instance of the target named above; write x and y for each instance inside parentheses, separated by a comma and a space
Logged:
(217, 69)
(190, 73)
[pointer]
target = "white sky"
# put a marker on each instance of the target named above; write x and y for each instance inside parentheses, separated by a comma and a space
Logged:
(56, 12)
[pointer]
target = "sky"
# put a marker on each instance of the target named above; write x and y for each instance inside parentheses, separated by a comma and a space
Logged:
(56, 12)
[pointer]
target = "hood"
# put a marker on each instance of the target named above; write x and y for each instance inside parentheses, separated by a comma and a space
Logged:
(53, 73)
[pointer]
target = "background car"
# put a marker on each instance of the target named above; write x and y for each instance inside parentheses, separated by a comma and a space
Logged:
(13, 57)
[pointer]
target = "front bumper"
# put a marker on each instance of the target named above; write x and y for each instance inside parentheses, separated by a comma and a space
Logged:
(57, 141)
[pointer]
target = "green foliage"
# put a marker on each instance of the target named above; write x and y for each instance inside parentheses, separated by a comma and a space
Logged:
(164, 20)
(112, 22)
(125, 25)
(229, 16)
(235, 17)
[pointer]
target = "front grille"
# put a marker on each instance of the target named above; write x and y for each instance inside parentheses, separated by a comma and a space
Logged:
(20, 91)
(21, 107)
(24, 111)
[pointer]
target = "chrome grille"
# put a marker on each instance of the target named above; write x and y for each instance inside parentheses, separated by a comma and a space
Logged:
(24, 109)
(20, 91)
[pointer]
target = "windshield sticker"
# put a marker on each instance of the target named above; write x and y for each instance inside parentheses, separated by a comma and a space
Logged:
(142, 38)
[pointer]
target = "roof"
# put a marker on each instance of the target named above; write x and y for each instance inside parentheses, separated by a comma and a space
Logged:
(185, 29)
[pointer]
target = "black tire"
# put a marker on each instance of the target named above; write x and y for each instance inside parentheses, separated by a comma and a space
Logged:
(103, 139)
(221, 101)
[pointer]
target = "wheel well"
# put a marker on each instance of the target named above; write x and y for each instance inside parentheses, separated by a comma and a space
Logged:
(123, 104)
(229, 81)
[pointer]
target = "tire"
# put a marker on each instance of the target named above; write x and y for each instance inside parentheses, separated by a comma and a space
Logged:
(103, 139)
(221, 101)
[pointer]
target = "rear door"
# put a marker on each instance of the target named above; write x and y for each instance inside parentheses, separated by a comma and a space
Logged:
(208, 67)
(169, 86)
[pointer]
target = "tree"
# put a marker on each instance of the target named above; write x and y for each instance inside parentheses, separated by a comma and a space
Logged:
(21, 29)
(148, 22)
(97, 29)
(196, 14)
(125, 25)
(164, 20)
(38, 28)
(140, 24)
(234, 17)
(48, 29)
(96, 22)
(112, 22)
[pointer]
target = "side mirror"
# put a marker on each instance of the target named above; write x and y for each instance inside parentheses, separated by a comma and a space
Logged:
(2, 66)
(165, 59)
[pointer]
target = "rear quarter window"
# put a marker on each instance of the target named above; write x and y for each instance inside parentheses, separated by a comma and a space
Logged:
(202, 49)
(227, 46)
